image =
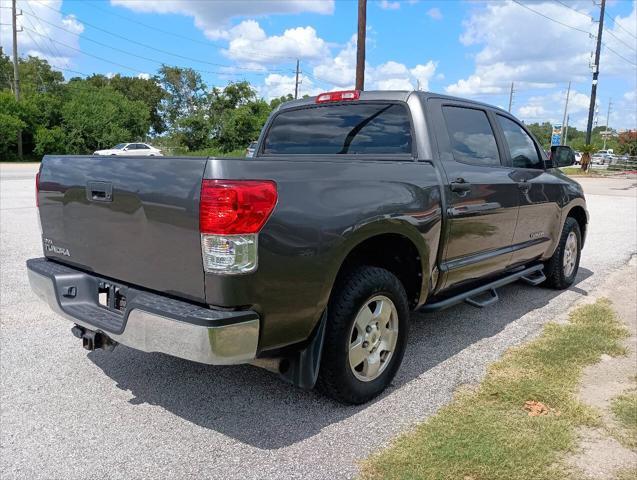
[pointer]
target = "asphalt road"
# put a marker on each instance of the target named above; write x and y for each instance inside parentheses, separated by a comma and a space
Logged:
(70, 414)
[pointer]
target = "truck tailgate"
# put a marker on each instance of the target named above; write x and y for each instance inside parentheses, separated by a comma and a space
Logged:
(134, 219)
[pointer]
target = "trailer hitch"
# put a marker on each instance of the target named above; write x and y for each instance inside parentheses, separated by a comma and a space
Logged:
(92, 340)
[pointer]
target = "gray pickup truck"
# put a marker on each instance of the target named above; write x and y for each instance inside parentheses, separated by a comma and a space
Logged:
(306, 259)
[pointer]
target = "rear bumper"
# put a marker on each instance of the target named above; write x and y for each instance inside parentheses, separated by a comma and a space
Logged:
(149, 322)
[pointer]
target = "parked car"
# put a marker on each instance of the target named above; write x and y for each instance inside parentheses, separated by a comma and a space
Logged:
(601, 159)
(129, 149)
(251, 149)
(357, 208)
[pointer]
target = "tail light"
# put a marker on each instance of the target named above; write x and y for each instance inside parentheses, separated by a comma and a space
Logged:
(338, 96)
(231, 214)
(37, 189)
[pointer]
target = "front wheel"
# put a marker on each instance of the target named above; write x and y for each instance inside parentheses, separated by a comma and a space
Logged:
(561, 268)
(368, 318)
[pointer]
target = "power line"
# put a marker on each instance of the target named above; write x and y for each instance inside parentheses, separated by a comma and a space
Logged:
(619, 26)
(213, 72)
(619, 55)
(183, 57)
(575, 10)
(551, 19)
(29, 20)
(619, 39)
(165, 32)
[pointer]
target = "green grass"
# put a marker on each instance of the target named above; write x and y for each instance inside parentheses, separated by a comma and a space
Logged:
(625, 409)
(213, 152)
(487, 434)
(575, 171)
(626, 474)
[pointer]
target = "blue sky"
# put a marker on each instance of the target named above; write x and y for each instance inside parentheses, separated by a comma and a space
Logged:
(472, 49)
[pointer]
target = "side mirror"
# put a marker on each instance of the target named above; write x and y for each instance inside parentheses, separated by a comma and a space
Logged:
(562, 156)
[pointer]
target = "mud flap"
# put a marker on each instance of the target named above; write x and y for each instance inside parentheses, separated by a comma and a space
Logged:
(302, 368)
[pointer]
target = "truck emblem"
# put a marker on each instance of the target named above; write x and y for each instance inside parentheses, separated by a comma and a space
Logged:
(537, 235)
(50, 247)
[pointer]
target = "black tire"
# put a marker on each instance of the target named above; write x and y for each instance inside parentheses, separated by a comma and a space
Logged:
(556, 275)
(336, 378)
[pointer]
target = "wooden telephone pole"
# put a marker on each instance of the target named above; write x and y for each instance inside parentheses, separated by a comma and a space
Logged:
(360, 45)
(598, 48)
(16, 70)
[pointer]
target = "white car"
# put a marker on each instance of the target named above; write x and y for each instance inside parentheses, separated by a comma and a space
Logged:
(131, 149)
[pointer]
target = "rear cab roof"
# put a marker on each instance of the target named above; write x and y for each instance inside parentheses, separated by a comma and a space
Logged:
(390, 95)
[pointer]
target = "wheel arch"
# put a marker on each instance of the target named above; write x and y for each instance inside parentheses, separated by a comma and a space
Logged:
(400, 249)
(578, 212)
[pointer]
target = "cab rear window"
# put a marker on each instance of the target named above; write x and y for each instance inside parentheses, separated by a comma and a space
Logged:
(359, 128)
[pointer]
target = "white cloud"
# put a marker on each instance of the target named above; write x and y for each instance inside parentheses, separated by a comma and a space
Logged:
(435, 13)
(387, 5)
(213, 17)
(144, 76)
(39, 38)
(276, 85)
(521, 46)
(340, 71)
(249, 44)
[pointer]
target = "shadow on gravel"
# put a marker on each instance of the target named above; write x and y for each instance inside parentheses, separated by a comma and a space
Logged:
(254, 407)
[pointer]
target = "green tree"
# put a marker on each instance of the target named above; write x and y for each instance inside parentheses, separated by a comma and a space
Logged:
(275, 102)
(95, 118)
(36, 75)
(147, 90)
(542, 131)
(628, 142)
(186, 93)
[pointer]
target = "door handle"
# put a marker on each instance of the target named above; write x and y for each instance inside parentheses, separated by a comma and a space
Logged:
(99, 191)
(524, 186)
(459, 185)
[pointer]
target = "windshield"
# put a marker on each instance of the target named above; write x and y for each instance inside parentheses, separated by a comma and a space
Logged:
(119, 146)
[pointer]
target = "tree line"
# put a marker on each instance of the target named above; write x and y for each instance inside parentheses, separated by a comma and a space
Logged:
(173, 109)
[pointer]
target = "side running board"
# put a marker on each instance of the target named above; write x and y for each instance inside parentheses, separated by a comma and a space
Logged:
(535, 278)
(475, 297)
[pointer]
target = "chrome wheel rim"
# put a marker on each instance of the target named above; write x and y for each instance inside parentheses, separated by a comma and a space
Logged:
(373, 338)
(570, 254)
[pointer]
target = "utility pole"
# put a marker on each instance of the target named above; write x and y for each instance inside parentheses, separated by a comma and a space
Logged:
(511, 97)
(16, 71)
(296, 81)
(598, 48)
(360, 45)
(568, 93)
(568, 120)
(607, 119)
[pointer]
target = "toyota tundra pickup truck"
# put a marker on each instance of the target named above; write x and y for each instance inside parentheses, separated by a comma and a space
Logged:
(307, 258)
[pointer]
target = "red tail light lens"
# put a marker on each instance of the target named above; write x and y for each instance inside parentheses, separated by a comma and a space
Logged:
(37, 189)
(235, 207)
(338, 96)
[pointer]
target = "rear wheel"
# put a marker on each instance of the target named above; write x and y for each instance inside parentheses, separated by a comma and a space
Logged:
(366, 335)
(561, 268)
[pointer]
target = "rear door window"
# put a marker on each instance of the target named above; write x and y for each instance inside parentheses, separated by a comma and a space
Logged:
(471, 136)
(359, 128)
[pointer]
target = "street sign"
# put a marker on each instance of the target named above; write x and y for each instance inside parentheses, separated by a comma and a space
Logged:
(556, 136)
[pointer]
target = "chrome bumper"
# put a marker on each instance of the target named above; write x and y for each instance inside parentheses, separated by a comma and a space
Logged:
(213, 337)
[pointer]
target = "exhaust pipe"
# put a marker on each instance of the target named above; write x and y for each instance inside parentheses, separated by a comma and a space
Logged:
(92, 340)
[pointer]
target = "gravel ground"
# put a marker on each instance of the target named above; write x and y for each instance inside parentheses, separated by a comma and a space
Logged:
(71, 414)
